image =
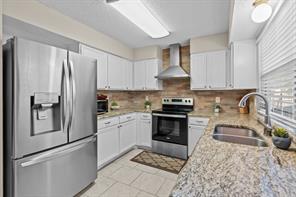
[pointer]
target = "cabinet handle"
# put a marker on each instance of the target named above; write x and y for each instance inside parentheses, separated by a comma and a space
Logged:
(107, 122)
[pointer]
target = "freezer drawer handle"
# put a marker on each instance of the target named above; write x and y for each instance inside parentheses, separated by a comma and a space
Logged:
(55, 154)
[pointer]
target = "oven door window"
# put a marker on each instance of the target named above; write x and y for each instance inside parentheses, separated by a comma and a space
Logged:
(170, 129)
(168, 126)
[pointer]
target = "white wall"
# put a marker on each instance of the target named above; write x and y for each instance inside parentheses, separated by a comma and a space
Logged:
(35, 13)
(209, 43)
(1, 109)
(151, 52)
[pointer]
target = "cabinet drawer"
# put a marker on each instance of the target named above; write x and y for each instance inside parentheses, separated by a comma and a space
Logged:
(198, 121)
(108, 122)
(126, 117)
(145, 116)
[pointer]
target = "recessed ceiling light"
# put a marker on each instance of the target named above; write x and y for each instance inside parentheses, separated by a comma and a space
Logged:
(262, 11)
(139, 14)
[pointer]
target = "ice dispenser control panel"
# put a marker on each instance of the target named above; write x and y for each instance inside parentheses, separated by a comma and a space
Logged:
(45, 112)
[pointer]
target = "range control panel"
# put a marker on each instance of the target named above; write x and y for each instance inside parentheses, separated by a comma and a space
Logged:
(177, 101)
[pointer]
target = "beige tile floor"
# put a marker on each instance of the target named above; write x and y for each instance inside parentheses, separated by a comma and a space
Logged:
(124, 178)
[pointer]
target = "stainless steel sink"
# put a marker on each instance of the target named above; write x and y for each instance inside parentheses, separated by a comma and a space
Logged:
(238, 135)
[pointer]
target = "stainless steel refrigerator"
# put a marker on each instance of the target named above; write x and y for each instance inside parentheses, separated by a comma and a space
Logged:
(49, 120)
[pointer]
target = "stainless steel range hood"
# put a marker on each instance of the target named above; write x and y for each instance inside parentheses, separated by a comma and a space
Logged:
(174, 70)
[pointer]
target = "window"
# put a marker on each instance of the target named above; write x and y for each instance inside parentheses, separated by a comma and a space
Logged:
(277, 62)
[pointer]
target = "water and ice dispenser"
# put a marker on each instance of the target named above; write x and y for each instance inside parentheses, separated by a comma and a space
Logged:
(45, 113)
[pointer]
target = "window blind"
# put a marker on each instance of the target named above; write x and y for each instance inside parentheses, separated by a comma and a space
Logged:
(277, 61)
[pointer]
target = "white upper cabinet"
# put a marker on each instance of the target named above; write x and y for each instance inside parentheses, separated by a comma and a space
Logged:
(129, 74)
(244, 65)
(139, 75)
(102, 65)
(152, 70)
(198, 71)
(116, 73)
(208, 70)
(216, 69)
(144, 75)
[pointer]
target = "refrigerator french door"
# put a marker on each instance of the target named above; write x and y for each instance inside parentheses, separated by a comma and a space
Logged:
(49, 120)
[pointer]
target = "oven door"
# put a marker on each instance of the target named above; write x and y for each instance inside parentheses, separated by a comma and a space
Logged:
(170, 128)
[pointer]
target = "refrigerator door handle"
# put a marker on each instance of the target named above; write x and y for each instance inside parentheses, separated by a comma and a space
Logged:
(56, 153)
(66, 79)
(73, 88)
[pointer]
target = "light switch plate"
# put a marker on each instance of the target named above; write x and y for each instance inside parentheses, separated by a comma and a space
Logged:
(218, 100)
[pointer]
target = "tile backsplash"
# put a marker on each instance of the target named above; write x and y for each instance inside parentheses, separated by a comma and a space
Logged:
(204, 100)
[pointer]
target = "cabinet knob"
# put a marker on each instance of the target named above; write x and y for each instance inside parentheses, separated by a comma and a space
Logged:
(205, 86)
(210, 86)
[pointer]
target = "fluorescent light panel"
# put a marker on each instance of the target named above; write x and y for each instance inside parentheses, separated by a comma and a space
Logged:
(137, 13)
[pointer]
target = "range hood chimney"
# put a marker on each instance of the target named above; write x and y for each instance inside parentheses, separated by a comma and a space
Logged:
(174, 70)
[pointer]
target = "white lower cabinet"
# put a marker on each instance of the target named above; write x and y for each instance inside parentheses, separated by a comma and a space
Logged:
(194, 133)
(144, 130)
(196, 129)
(108, 144)
(119, 134)
(127, 135)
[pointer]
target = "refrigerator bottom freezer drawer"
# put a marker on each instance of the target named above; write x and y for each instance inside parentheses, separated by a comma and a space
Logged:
(63, 172)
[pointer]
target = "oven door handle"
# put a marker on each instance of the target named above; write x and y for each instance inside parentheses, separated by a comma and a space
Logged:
(169, 115)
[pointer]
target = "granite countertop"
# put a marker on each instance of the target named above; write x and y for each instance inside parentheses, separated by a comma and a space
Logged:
(225, 169)
(122, 111)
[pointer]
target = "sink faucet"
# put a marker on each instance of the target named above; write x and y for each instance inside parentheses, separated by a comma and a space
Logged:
(267, 122)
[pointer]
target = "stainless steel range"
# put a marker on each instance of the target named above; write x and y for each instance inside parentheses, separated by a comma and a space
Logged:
(170, 127)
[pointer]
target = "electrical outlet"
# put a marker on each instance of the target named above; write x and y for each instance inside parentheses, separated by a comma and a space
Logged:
(218, 100)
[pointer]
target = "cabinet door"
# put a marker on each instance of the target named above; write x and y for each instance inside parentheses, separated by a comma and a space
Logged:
(129, 74)
(108, 144)
(198, 71)
(127, 135)
(216, 69)
(139, 75)
(102, 66)
(116, 73)
(245, 65)
(152, 69)
(145, 133)
(194, 133)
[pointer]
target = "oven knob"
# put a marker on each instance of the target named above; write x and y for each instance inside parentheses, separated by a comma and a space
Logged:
(189, 101)
(185, 101)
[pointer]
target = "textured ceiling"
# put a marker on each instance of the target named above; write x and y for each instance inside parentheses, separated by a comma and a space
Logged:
(183, 18)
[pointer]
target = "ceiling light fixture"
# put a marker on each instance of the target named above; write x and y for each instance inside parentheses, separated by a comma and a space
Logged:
(262, 11)
(139, 14)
